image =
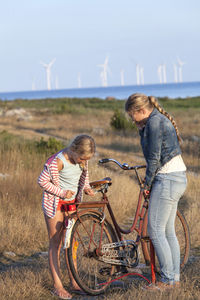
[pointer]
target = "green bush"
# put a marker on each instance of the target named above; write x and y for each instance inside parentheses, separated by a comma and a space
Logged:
(120, 122)
(49, 147)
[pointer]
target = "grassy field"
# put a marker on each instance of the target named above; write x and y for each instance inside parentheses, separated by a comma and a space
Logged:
(42, 128)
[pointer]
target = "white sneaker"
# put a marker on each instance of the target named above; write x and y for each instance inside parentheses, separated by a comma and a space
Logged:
(69, 228)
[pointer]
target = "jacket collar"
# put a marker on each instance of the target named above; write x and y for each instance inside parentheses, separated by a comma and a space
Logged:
(154, 112)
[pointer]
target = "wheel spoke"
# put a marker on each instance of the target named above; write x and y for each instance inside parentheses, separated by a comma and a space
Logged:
(87, 269)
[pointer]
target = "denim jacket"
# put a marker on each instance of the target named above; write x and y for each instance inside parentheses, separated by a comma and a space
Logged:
(159, 144)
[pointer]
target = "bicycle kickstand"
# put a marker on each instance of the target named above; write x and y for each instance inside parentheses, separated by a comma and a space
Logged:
(152, 259)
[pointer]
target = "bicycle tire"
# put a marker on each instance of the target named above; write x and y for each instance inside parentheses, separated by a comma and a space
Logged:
(183, 235)
(89, 272)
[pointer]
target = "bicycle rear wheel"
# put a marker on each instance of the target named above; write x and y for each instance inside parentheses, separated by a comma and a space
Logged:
(182, 233)
(90, 273)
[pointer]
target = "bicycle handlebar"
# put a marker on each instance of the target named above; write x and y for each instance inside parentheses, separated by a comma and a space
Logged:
(124, 166)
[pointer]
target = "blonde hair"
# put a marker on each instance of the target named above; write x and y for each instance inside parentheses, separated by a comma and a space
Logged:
(83, 145)
(138, 101)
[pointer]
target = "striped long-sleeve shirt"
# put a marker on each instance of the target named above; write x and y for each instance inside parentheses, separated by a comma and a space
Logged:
(49, 181)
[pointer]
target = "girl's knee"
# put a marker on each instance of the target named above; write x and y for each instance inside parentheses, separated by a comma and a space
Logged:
(155, 231)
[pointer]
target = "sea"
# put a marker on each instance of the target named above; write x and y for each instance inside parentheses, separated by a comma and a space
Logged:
(170, 90)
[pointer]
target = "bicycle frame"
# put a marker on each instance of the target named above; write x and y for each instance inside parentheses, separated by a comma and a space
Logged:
(140, 210)
(85, 207)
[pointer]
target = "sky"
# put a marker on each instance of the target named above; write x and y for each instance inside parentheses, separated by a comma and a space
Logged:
(80, 34)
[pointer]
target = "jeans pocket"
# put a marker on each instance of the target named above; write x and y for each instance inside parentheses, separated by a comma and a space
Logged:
(177, 189)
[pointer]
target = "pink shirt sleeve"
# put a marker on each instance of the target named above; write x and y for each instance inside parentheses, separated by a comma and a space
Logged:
(44, 181)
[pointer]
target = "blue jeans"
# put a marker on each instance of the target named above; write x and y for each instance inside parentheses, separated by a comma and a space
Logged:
(165, 194)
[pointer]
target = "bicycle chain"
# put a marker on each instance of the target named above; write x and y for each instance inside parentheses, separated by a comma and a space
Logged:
(127, 256)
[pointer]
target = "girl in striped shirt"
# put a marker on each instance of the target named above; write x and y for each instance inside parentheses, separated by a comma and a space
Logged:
(64, 178)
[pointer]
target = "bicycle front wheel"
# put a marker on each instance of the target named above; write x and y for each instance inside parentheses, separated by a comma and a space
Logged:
(182, 233)
(90, 273)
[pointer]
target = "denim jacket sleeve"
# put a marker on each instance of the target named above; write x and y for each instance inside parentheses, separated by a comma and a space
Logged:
(151, 144)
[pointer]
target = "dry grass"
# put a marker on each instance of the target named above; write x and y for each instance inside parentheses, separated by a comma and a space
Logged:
(22, 228)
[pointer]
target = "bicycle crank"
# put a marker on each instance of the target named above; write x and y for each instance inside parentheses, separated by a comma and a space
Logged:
(124, 253)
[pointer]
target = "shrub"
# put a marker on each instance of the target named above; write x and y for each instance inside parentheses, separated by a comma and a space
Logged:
(49, 147)
(120, 122)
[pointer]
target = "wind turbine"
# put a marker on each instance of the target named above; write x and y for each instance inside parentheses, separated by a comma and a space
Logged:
(104, 71)
(48, 72)
(159, 70)
(79, 80)
(142, 75)
(122, 76)
(139, 74)
(180, 65)
(175, 73)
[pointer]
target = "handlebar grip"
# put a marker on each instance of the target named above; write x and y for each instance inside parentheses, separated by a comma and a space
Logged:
(103, 161)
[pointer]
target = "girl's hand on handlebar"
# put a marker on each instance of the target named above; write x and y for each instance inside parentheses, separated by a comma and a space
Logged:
(89, 192)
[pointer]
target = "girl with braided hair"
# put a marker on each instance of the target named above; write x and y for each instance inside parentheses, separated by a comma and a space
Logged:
(165, 178)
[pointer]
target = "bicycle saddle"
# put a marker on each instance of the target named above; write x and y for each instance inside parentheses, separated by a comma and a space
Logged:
(99, 183)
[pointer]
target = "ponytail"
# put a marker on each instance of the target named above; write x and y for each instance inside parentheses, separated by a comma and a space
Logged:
(153, 101)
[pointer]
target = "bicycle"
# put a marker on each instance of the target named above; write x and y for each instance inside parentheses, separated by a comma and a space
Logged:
(97, 251)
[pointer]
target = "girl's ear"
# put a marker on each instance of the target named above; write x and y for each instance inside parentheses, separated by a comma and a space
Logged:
(143, 111)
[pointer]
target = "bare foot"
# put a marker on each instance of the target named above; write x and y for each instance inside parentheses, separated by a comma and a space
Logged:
(61, 293)
(158, 286)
